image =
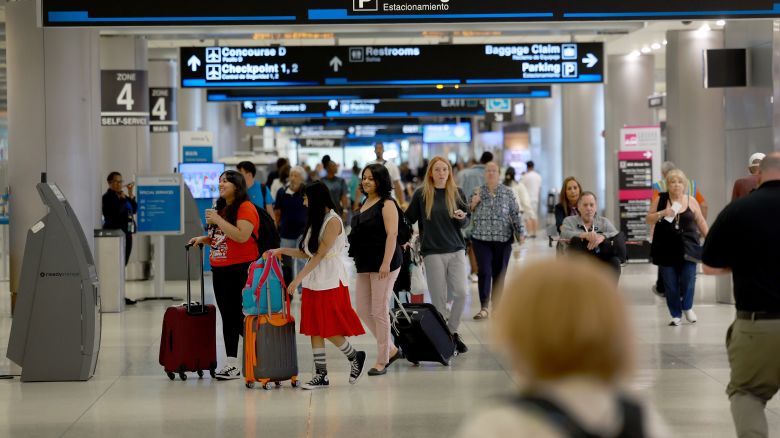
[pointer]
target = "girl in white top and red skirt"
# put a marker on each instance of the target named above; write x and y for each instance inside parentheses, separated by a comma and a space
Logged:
(326, 309)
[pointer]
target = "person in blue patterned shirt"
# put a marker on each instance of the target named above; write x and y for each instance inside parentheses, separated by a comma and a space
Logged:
(496, 218)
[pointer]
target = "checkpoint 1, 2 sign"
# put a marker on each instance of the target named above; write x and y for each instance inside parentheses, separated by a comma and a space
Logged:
(314, 66)
(290, 12)
(160, 205)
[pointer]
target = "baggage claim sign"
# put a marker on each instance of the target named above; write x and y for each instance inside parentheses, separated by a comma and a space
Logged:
(318, 66)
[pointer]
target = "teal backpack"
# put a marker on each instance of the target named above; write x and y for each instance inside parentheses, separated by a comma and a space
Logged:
(265, 282)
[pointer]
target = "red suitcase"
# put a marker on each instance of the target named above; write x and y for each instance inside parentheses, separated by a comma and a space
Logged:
(189, 341)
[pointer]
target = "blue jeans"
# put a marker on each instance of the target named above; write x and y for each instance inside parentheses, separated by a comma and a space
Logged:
(679, 283)
(295, 264)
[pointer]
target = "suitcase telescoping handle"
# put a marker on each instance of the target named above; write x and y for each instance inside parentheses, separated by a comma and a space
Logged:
(202, 280)
(403, 310)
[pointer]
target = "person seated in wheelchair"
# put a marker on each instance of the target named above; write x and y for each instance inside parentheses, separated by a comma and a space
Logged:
(594, 234)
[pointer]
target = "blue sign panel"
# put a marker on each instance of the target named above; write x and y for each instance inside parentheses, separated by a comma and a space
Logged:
(197, 154)
(160, 201)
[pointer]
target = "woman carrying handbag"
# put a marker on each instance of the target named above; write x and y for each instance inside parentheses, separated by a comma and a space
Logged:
(679, 225)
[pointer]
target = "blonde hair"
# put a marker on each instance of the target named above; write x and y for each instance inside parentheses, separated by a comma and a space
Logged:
(450, 189)
(676, 173)
(563, 317)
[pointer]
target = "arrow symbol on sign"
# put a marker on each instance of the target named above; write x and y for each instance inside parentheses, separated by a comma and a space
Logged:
(648, 154)
(590, 60)
(193, 62)
(335, 63)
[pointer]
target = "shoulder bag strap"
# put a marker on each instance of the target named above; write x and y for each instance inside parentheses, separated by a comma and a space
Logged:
(555, 414)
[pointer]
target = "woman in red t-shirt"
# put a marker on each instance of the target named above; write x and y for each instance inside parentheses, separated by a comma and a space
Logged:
(232, 224)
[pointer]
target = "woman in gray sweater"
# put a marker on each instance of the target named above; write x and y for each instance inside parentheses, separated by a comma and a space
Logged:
(439, 208)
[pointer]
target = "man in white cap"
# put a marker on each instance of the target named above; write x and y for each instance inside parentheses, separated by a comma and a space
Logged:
(747, 184)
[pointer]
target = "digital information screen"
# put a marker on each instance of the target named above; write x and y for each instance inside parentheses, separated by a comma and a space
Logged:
(347, 66)
(200, 12)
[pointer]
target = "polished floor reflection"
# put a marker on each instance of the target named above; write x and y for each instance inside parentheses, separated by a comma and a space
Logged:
(682, 371)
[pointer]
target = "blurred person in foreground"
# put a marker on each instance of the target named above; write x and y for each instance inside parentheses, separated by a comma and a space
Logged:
(570, 344)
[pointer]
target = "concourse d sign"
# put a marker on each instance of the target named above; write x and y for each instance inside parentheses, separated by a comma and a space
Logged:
(323, 66)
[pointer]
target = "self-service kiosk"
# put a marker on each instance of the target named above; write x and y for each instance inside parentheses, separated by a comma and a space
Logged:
(55, 334)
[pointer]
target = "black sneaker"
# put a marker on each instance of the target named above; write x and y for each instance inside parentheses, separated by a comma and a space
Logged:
(356, 367)
(317, 382)
(228, 373)
(459, 345)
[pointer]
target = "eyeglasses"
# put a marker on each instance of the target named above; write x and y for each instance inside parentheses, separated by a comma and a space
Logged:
(117, 181)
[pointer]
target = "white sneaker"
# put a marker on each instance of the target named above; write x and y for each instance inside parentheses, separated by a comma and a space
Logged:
(675, 322)
(228, 373)
(690, 315)
(474, 278)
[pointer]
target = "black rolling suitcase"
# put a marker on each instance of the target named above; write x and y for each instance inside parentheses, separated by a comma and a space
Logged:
(422, 333)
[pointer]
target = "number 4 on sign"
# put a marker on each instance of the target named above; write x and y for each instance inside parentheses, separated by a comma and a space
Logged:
(159, 109)
(126, 97)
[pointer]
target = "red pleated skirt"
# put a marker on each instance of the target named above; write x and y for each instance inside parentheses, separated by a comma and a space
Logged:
(327, 313)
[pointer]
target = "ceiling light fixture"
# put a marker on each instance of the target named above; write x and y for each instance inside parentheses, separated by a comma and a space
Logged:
(721, 23)
(665, 42)
(645, 49)
(655, 46)
(705, 28)
(634, 55)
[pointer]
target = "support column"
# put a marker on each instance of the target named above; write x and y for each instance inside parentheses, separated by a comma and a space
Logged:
(126, 149)
(190, 113)
(583, 142)
(546, 114)
(53, 113)
(695, 115)
(630, 82)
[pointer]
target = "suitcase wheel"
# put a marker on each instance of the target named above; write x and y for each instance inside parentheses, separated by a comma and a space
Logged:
(200, 374)
(250, 385)
(295, 382)
(213, 373)
(171, 376)
(182, 376)
(267, 386)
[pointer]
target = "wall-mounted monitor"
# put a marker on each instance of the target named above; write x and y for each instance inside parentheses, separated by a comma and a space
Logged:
(725, 68)
(447, 133)
(202, 178)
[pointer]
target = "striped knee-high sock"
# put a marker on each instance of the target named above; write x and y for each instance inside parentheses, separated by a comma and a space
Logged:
(348, 350)
(320, 366)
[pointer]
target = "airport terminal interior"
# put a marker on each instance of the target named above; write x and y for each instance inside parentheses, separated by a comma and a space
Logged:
(154, 102)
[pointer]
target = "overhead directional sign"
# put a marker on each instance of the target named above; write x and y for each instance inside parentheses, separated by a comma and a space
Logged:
(428, 92)
(362, 108)
(232, 12)
(345, 66)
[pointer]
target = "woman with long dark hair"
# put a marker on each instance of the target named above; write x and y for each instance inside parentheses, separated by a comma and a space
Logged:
(374, 246)
(326, 310)
(232, 224)
(567, 201)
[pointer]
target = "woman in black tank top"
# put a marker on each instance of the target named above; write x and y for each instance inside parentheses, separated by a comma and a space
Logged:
(374, 246)
(676, 217)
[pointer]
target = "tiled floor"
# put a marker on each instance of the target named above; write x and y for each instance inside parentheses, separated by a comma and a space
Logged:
(682, 371)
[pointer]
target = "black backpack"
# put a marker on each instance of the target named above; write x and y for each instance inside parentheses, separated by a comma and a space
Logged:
(268, 236)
